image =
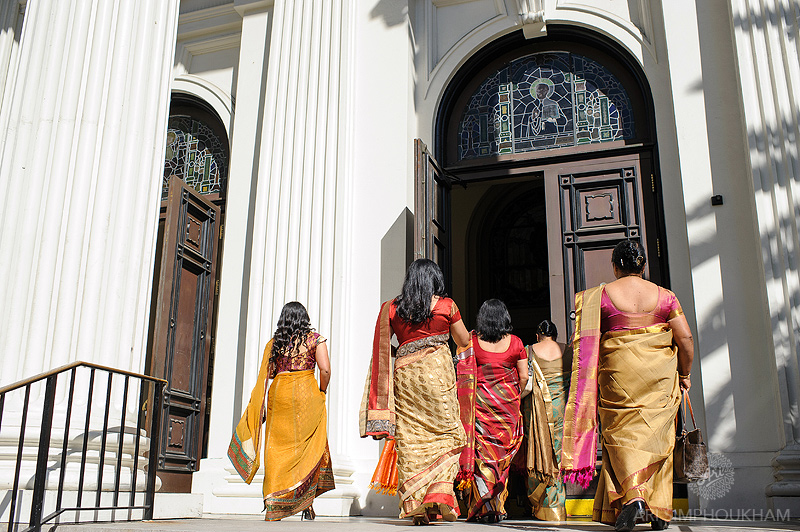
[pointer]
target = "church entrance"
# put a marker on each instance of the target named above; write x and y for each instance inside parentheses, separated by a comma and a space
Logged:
(548, 160)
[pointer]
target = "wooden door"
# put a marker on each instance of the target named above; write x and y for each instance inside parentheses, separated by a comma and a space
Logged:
(182, 330)
(431, 211)
(602, 203)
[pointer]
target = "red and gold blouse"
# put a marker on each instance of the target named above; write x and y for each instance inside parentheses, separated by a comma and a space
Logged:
(304, 358)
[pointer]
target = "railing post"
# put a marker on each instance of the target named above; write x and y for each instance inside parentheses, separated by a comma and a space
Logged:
(155, 442)
(40, 481)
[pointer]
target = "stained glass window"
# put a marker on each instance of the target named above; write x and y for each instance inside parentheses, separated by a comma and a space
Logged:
(195, 154)
(545, 100)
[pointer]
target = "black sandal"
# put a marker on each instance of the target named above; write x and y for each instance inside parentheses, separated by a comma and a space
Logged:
(628, 516)
(308, 514)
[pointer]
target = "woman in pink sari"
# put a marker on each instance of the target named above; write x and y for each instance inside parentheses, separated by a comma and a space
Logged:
(492, 371)
(632, 355)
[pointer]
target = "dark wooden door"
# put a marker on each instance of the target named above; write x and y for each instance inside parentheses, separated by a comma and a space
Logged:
(602, 203)
(182, 329)
(431, 210)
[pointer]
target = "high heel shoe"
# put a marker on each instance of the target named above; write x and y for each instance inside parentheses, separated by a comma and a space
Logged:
(421, 520)
(308, 514)
(628, 516)
(658, 524)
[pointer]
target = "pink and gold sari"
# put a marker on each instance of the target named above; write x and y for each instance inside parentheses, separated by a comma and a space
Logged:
(627, 379)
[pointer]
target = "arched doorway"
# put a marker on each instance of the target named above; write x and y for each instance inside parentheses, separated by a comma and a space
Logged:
(185, 283)
(571, 115)
(553, 142)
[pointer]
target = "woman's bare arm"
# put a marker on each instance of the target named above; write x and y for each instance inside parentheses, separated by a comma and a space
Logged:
(324, 365)
(522, 370)
(459, 333)
(682, 335)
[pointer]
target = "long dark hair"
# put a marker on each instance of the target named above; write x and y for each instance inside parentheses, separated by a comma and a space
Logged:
(424, 279)
(493, 321)
(293, 327)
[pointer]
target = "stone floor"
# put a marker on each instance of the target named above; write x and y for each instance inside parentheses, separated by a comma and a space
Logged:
(240, 523)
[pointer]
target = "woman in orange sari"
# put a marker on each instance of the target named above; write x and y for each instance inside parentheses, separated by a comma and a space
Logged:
(297, 461)
(492, 371)
(632, 355)
(414, 400)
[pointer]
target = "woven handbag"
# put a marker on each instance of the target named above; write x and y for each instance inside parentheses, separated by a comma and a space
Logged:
(690, 462)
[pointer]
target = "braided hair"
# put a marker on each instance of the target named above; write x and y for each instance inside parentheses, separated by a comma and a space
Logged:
(293, 327)
(629, 257)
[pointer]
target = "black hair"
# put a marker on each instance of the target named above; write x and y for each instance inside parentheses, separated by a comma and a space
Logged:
(424, 279)
(547, 328)
(493, 321)
(293, 327)
(629, 257)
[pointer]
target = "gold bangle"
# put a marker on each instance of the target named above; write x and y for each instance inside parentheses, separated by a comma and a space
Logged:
(684, 376)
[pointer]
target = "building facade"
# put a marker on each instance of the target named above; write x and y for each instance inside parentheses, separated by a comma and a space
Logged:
(325, 144)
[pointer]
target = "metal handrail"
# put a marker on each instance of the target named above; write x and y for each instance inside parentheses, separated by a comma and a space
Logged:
(151, 392)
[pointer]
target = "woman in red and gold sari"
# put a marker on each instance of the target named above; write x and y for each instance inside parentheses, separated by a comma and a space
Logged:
(492, 371)
(297, 461)
(414, 401)
(632, 356)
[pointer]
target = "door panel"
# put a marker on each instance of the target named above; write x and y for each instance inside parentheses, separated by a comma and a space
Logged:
(601, 204)
(182, 327)
(431, 210)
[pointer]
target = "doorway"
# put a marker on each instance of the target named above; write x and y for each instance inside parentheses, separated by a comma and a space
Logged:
(548, 147)
(185, 284)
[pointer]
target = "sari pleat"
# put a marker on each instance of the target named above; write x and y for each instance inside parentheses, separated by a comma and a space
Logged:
(428, 435)
(296, 445)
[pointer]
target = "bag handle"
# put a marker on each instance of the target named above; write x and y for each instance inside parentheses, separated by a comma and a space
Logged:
(687, 401)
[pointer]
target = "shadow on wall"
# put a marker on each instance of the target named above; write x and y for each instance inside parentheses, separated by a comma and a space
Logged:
(771, 174)
(393, 12)
(397, 252)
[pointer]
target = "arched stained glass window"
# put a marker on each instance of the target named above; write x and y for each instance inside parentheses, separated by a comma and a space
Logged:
(196, 154)
(541, 101)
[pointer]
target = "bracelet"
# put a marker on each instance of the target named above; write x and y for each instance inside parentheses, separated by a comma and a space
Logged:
(684, 376)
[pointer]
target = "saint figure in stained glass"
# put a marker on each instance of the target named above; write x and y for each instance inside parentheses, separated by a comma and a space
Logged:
(545, 100)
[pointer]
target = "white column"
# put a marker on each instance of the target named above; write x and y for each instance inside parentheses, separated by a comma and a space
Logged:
(766, 35)
(298, 247)
(216, 473)
(80, 180)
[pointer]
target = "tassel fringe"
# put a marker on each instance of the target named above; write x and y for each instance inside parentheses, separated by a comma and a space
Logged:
(581, 477)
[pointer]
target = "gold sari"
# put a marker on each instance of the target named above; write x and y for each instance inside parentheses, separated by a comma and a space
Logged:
(639, 398)
(628, 379)
(296, 455)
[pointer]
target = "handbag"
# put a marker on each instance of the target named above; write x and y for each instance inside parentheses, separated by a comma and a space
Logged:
(690, 458)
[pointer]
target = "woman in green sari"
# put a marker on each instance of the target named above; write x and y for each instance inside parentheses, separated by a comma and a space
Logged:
(543, 414)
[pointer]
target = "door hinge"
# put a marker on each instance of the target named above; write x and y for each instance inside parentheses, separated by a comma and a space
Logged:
(653, 183)
(658, 247)
(216, 288)
(221, 230)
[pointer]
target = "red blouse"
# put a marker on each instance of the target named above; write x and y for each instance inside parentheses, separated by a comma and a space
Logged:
(613, 319)
(508, 358)
(298, 361)
(444, 314)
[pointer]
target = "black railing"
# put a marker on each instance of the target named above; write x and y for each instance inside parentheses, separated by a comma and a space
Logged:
(82, 445)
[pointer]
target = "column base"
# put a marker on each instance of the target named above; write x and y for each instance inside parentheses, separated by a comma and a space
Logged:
(785, 491)
(224, 492)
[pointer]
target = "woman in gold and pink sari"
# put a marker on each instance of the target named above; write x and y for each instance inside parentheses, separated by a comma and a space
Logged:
(492, 370)
(414, 400)
(632, 355)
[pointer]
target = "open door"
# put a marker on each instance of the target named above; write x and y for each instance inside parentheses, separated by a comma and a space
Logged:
(431, 211)
(182, 330)
(603, 203)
